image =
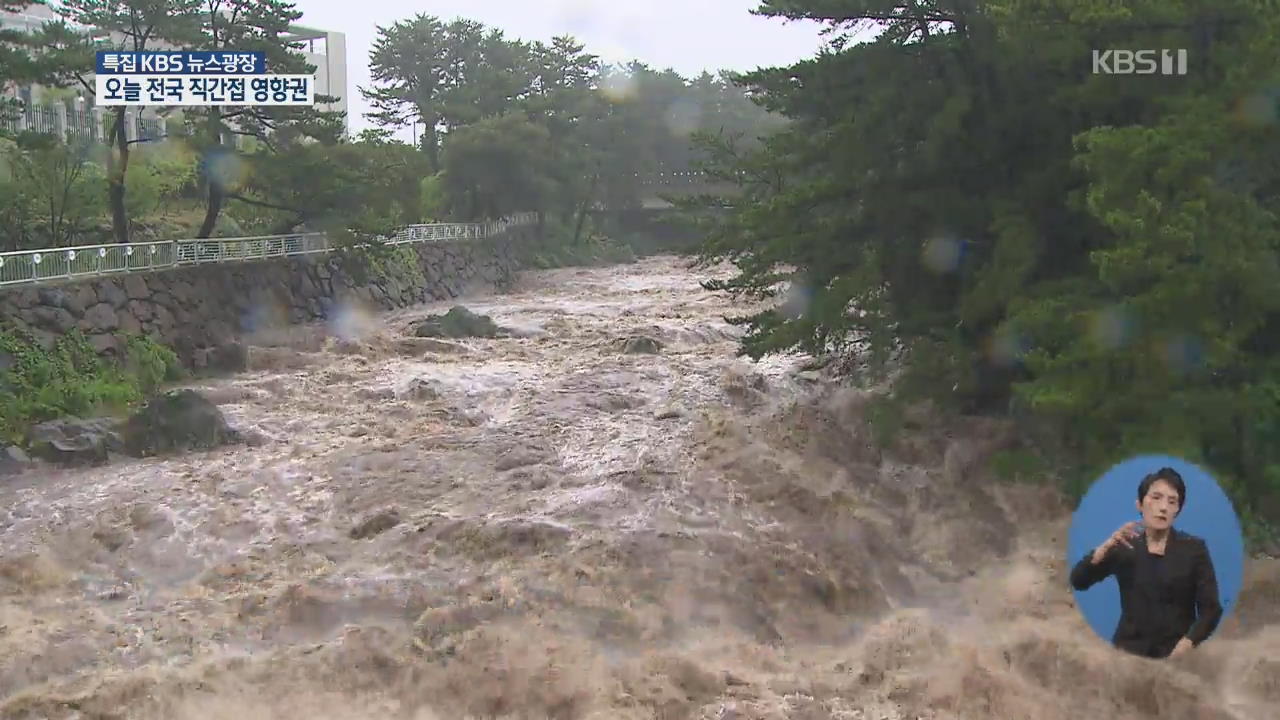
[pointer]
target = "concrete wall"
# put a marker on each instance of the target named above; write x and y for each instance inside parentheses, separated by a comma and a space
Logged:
(194, 309)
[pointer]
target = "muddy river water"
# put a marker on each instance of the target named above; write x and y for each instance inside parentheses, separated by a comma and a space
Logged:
(548, 526)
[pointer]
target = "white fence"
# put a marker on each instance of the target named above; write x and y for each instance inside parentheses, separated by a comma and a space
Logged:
(60, 264)
(66, 119)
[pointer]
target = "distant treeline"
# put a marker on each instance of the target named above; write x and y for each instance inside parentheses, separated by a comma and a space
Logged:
(500, 126)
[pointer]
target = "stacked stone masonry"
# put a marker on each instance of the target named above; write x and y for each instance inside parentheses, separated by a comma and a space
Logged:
(192, 309)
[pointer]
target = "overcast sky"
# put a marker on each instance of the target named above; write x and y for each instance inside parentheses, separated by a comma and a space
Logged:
(686, 35)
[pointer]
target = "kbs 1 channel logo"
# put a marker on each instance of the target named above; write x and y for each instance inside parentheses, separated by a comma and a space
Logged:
(1140, 62)
(191, 77)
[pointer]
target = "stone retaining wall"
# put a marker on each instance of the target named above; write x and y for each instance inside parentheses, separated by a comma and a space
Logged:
(193, 309)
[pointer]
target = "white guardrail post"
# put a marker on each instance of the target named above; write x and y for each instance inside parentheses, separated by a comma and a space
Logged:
(35, 267)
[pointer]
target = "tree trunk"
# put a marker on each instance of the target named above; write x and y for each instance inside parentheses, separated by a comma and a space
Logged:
(117, 166)
(430, 144)
(217, 194)
(582, 218)
(584, 209)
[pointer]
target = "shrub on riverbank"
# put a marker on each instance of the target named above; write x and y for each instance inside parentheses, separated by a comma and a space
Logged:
(71, 379)
(598, 250)
(562, 245)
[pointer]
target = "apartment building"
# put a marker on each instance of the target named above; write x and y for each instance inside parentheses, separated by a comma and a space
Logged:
(60, 110)
(327, 51)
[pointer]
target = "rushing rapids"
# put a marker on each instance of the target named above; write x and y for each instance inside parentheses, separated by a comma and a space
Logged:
(562, 524)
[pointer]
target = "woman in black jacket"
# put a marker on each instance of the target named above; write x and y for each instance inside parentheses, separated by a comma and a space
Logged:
(1168, 591)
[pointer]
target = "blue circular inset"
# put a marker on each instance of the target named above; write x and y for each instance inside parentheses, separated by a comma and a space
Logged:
(1110, 503)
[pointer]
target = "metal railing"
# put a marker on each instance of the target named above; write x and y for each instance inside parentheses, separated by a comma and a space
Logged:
(63, 119)
(59, 264)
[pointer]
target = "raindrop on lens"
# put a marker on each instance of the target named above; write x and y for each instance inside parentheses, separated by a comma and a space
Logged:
(1185, 354)
(1007, 348)
(942, 255)
(1112, 328)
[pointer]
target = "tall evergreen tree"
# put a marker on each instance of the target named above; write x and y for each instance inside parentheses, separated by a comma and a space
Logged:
(134, 25)
(963, 194)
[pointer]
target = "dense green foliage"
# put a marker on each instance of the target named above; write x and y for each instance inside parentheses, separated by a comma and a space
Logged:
(71, 379)
(509, 126)
(592, 249)
(48, 190)
(500, 126)
(965, 200)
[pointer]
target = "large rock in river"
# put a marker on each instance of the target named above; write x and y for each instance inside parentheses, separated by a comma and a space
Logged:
(75, 442)
(13, 460)
(459, 322)
(177, 421)
(638, 345)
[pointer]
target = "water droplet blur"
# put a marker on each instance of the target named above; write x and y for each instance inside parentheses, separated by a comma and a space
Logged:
(227, 168)
(797, 301)
(1260, 108)
(1112, 328)
(1006, 347)
(351, 322)
(576, 17)
(619, 86)
(264, 316)
(1184, 354)
(684, 117)
(942, 255)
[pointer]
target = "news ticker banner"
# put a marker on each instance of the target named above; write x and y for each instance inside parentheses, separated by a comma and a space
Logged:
(181, 62)
(188, 77)
(170, 90)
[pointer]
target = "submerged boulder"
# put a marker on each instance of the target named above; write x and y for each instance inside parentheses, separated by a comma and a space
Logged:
(459, 322)
(177, 421)
(376, 524)
(231, 357)
(639, 345)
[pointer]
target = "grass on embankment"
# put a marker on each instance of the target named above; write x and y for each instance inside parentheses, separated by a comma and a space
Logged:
(72, 380)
